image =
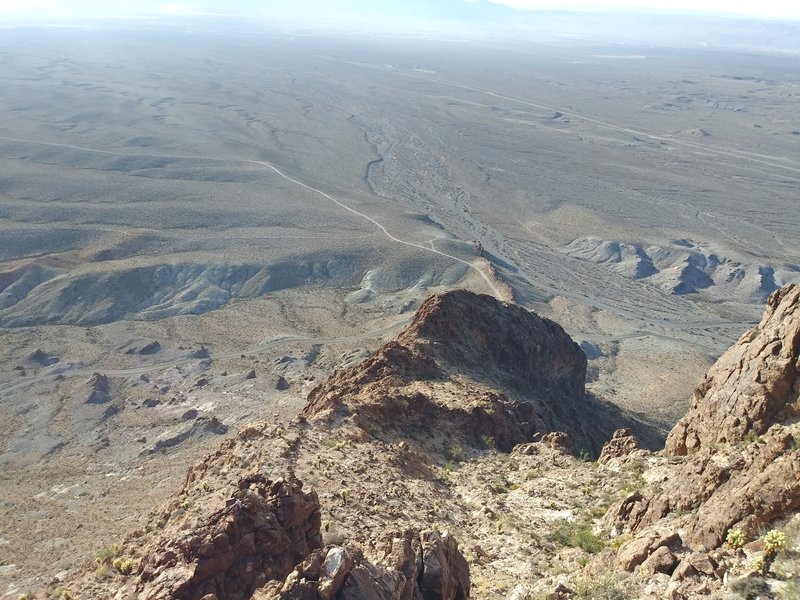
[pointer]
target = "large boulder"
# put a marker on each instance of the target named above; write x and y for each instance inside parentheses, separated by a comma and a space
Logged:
(411, 565)
(752, 386)
(259, 535)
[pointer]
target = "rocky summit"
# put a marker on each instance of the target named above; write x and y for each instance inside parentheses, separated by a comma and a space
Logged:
(444, 467)
(472, 363)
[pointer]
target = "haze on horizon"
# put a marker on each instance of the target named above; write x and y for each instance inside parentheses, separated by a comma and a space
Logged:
(379, 10)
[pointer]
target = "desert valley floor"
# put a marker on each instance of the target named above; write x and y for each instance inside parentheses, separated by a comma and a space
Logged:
(196, 229)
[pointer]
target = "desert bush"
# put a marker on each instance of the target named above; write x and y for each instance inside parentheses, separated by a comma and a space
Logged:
(752, 588)
(123, 565)
(774, 541)
(576, 535)
(603, 587)
(454, 452)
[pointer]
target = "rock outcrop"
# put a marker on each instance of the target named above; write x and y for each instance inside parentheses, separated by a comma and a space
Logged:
(260, 534)
(98, 389)
(485, 367)
(622, 443)
(736, 454)
(411, 566)
(752, 386)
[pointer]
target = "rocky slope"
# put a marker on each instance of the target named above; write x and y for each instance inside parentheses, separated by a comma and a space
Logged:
(394, 453)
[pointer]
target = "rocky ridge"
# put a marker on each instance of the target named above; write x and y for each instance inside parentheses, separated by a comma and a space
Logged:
(389, 446)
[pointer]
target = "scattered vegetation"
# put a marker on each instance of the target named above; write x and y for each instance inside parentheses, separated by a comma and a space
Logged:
(123, 565)
(344, 493)
(333, 535)
(752, 588)
(102, 572)
(751, 437)
(576, 534)
(601, 587)
(501, 485)
(736, 538)
(454, 453)
(106, 555)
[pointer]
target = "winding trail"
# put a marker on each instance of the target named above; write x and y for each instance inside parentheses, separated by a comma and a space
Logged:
(280, 173)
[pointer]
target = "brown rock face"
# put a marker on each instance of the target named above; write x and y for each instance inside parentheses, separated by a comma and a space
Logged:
(262, 533)
(498, 341)
(739, 464)
(620, 445)
(413, 566)
(485, 367)
(752, 386)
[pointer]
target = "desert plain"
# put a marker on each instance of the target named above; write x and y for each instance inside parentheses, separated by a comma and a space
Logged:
(197, 227)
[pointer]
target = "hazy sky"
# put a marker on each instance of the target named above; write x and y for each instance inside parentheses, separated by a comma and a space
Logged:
(67, 9)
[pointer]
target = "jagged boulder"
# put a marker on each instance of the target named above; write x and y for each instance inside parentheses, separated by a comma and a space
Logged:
(260, 535)
(621, 444)
(411, 566)
(752, 386)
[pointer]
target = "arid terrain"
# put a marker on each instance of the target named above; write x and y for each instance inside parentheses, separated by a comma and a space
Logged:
(197, 229)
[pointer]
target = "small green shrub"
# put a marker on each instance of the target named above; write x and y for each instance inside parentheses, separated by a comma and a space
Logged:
(576, 535)
(123, 565)
(500, 485)
(759, 565)
(603, 587)
(454, 452)
(774, 542)
(752, 588)
(106, 555)
(102, 572)
(736, 538)
(751, 437)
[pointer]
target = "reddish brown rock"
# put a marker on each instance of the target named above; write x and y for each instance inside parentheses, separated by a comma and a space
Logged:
(259, 535)
(662, 560)
(557, 440)
(738, 464)
(636, 551)
(486, 368)
(413, 566)
(622, 443)
(751, 386)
